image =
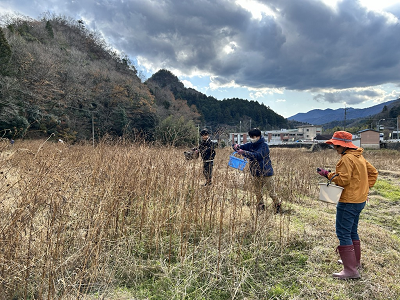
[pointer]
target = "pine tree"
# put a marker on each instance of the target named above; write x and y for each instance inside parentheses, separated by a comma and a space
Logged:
(49, 29)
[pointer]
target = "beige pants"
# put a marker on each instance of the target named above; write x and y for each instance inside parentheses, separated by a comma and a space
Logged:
(267, 183)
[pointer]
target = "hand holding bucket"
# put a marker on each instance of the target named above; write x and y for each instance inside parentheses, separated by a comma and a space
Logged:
(330, 193)
(236, 162)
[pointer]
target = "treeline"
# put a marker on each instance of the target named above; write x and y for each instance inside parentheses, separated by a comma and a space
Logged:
(229, 112)
(59, 78)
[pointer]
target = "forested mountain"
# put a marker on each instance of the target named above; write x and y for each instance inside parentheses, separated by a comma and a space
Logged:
(59, 78)
(228, 112)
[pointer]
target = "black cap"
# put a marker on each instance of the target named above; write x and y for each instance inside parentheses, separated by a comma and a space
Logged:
(255, 132)
(204, 132)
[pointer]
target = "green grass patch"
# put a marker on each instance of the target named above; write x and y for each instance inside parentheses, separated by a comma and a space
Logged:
(386, 189)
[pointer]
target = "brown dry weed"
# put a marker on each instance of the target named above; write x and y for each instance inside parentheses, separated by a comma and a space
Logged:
(79, 222)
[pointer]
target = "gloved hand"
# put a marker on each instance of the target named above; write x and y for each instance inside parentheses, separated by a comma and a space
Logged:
(236, 147)
(322, 172)
(240, 151)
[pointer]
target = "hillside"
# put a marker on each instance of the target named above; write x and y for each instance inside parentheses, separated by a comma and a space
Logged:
(59, 79)
(215, 113)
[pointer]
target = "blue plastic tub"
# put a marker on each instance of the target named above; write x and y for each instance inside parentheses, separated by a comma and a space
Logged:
(237, 163)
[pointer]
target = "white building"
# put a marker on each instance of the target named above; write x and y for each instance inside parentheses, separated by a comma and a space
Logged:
(305, 133)
(238, 137)
(275, 137)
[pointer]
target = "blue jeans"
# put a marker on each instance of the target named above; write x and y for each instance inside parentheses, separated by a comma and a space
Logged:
(347, 216)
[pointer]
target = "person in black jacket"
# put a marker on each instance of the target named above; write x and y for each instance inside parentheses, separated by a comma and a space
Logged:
(207, 152)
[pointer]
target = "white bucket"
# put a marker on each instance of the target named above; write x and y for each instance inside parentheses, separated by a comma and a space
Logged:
(329, 193)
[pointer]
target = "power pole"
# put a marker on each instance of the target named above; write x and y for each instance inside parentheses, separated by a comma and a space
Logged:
(198, 134)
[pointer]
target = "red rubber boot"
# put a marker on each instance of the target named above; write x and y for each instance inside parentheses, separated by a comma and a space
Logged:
(357, 251)
(348, 256)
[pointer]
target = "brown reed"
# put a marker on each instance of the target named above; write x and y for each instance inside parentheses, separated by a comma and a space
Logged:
(78, 219)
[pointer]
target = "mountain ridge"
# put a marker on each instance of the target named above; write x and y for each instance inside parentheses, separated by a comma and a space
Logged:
(69, 84)
(320, 116)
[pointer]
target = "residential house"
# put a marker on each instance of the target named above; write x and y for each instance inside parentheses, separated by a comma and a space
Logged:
(369, 138)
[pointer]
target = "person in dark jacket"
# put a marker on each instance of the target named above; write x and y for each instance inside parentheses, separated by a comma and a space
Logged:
(257, 152)
(207, 152)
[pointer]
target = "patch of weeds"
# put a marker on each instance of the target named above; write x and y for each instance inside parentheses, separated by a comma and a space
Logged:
(384, 212)
(246, 255)
(387, 190)
(213, 294)
(178, 285)
(155, 289)
(298, 244)
(282, 291)
(277, 291)
(143, 271)
(275, 275)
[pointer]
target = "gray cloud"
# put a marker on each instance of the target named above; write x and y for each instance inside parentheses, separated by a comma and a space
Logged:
(350, 97)
(306, 45)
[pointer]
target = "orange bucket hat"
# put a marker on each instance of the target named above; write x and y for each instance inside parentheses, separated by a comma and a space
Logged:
(342, 138)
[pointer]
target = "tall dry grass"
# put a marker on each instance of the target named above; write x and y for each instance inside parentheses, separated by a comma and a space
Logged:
(77, 220)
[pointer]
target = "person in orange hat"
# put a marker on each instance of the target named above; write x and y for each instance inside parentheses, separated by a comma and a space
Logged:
(356, 175)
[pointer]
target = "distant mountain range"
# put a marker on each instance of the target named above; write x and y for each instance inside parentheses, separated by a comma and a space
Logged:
(323, 116)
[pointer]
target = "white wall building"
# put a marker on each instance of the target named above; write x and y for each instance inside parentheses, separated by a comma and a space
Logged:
(276, 137)
(302, 133)
(238, 138)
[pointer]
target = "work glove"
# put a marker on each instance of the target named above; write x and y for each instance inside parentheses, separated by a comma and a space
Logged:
(240, 151)
(236, 147)
(323, 172)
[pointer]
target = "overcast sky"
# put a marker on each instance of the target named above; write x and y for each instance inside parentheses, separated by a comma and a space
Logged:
(292, 55)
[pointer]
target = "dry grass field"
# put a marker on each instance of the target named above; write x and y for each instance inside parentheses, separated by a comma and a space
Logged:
(134, 221)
